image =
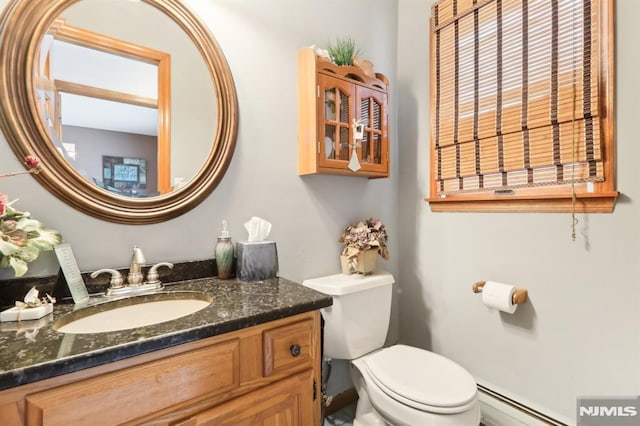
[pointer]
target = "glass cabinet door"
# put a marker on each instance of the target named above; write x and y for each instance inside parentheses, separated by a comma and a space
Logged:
(372, 113)
(336, 100)
(340, 103)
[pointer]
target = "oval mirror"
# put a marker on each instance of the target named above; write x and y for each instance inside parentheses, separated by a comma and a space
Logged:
(130, 105)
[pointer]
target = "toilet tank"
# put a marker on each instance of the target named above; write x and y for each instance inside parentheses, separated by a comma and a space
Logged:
(358, 320)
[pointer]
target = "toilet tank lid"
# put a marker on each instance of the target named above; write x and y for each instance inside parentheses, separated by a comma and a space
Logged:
(339, 284)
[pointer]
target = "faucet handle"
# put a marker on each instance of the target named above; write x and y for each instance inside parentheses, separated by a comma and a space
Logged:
(116, 277)
(152, 275)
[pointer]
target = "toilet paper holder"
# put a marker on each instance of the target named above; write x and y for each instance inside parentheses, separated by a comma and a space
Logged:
(519, 296)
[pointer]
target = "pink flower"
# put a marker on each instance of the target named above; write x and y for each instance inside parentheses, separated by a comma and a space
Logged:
(31, 162)
(3, 204)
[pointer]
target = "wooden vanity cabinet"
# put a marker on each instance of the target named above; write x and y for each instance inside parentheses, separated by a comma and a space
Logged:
(265, 374)
(330, 99)
(282, 403)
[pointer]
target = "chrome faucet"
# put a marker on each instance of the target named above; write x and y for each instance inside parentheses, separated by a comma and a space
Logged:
(135, 284)
(135, 276)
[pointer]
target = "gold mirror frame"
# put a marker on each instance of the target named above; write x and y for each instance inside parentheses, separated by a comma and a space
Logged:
(22, 27)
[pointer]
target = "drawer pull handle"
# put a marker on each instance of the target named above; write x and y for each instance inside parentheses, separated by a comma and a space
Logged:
(295, 350)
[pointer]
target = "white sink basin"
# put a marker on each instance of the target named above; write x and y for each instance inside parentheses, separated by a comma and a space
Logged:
(132, 312)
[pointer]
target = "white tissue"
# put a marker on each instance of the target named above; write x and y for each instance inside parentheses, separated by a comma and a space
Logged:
(258, 229)
(499, 296)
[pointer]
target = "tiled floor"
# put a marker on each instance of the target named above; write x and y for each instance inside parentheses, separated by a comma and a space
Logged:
(342, 417)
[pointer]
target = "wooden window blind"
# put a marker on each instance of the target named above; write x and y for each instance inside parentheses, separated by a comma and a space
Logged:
(521, 105)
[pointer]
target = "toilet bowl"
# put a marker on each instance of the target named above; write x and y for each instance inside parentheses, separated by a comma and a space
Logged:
(407, 386)
(398, 385)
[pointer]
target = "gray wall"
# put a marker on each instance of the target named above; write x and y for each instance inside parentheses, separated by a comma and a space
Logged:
(578, 335)
(260, 41)
(92, 144)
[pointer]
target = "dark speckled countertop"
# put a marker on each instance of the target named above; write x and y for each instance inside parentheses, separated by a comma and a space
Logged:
(33, 350)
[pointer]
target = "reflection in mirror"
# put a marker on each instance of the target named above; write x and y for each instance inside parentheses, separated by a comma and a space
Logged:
(130, 36)
(192, 95)
(191, 105)
(99, 97)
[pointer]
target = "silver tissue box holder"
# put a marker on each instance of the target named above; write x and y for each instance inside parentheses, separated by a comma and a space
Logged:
(257, 261)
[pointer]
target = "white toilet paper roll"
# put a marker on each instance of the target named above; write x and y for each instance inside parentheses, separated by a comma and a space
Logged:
(499, 296)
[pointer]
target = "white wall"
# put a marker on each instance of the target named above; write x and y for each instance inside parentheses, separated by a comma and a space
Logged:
(578, 335)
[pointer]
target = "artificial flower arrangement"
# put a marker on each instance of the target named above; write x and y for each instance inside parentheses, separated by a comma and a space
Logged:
(369, 236)
(22, 238)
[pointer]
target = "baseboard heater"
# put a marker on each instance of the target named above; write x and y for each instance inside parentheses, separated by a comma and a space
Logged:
(499, 410)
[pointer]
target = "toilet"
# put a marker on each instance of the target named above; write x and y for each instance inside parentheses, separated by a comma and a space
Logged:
(398, 385)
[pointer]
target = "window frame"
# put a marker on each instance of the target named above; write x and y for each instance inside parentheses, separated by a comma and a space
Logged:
(596, 197)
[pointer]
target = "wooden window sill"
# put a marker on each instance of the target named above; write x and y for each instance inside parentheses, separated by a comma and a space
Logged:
(601, 202)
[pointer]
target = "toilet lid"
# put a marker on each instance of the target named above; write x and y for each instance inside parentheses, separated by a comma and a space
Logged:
(421, 379)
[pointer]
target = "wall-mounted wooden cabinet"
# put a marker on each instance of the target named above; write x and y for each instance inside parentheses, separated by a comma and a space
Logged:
(330, 99)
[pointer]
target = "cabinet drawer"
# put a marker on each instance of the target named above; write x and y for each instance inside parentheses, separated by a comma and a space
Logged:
(287, 347)
(127, 394)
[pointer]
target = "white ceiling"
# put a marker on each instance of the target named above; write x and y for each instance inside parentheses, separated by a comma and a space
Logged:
(94, 113)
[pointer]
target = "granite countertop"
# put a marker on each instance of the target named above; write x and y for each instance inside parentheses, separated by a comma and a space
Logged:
(33, 350)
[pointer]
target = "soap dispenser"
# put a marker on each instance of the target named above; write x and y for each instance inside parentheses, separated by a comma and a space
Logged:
(224, 253)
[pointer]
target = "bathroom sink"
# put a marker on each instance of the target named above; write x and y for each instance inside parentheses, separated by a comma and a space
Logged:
(132, 312)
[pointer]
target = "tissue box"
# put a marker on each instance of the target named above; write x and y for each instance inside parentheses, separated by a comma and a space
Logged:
(15, 314)
(257, 261)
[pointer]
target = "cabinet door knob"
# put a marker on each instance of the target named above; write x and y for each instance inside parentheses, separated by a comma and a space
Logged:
(295, 350)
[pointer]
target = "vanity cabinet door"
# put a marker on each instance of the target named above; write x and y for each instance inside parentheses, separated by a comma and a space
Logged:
(289, 402)
(138, 391)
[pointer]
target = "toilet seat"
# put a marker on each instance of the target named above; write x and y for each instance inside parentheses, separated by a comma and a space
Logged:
(421, 379)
